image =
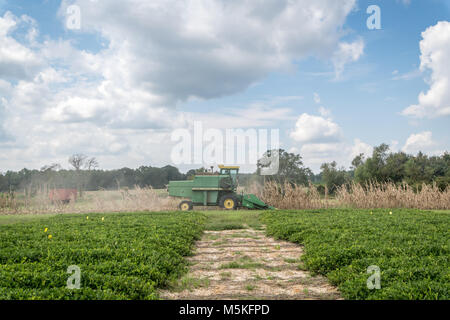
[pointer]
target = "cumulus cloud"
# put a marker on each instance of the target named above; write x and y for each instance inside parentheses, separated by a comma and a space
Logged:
(435, 49)
(315, 129)
(321, 140)
(207, 49)
(58, 98)
(16, 60)
(422, 141)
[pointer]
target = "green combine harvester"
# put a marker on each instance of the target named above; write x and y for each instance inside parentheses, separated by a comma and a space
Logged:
(214, 189)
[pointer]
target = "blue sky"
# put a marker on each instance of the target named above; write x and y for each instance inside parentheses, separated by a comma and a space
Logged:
(119, 86)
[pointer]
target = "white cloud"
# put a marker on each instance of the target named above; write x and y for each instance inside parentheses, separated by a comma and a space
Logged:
(435, 49)
(315, 129)
(16, 60)
(422, 141)
(360, 147)
(207, 49)
(321, 140)
(58, 99)
(320, 151)
(347, 52)
(315, 154)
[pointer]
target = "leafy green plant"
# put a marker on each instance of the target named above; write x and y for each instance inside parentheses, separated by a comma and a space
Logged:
(410, 247)
(123, 256)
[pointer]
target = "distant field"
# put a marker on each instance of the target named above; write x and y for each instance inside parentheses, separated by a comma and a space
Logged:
(410, 247)
(139, 199)
(123, 256)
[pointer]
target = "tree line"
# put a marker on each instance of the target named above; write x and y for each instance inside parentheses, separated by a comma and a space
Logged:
(394, 167)
(85, 176)
(381, 166)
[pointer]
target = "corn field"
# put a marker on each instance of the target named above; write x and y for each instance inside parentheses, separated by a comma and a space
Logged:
(371, 195)
(389, 195)
(288, 196)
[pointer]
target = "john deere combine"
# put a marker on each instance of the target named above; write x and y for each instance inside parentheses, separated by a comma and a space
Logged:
(214, 189)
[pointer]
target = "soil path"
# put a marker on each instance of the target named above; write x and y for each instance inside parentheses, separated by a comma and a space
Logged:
(245, 264)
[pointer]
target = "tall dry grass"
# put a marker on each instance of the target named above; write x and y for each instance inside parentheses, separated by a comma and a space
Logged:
(389, 195)
(371, 195)
(289, 196)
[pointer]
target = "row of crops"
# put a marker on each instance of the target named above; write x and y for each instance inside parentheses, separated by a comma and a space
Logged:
(408, 250)
(118, 256)
(131, 255)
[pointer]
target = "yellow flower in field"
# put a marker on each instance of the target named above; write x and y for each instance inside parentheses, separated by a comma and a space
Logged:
(87, 218)
(50, 236)
(390, 212)
(46, 229)
(103, 218)
(371, 212)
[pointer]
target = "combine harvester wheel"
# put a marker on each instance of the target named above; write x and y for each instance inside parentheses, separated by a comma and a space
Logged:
(185, 205)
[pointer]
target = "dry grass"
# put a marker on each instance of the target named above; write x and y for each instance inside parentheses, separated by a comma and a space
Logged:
(138, 199)
(389, 195)
(371, 195)
(287, 196)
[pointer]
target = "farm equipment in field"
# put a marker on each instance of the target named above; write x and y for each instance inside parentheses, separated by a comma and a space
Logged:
(219, 189)
(63, 195)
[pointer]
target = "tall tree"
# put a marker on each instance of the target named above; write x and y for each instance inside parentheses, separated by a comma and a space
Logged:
(91, 164)
(334, 177)
(290, 168)
(77, 161)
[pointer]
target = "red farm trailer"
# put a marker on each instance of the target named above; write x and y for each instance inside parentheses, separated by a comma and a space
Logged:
(63, 195)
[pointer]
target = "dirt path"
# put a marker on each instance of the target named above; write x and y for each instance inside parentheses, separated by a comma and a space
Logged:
(245, 264)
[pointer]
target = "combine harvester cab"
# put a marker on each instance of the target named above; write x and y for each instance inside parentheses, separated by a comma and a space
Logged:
(214, 189)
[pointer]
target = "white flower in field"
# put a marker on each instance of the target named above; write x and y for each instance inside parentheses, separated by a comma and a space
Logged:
(390, 212)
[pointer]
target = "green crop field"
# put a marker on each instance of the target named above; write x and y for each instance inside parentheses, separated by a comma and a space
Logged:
(122, 256)
(410, 247)
(133, 255)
